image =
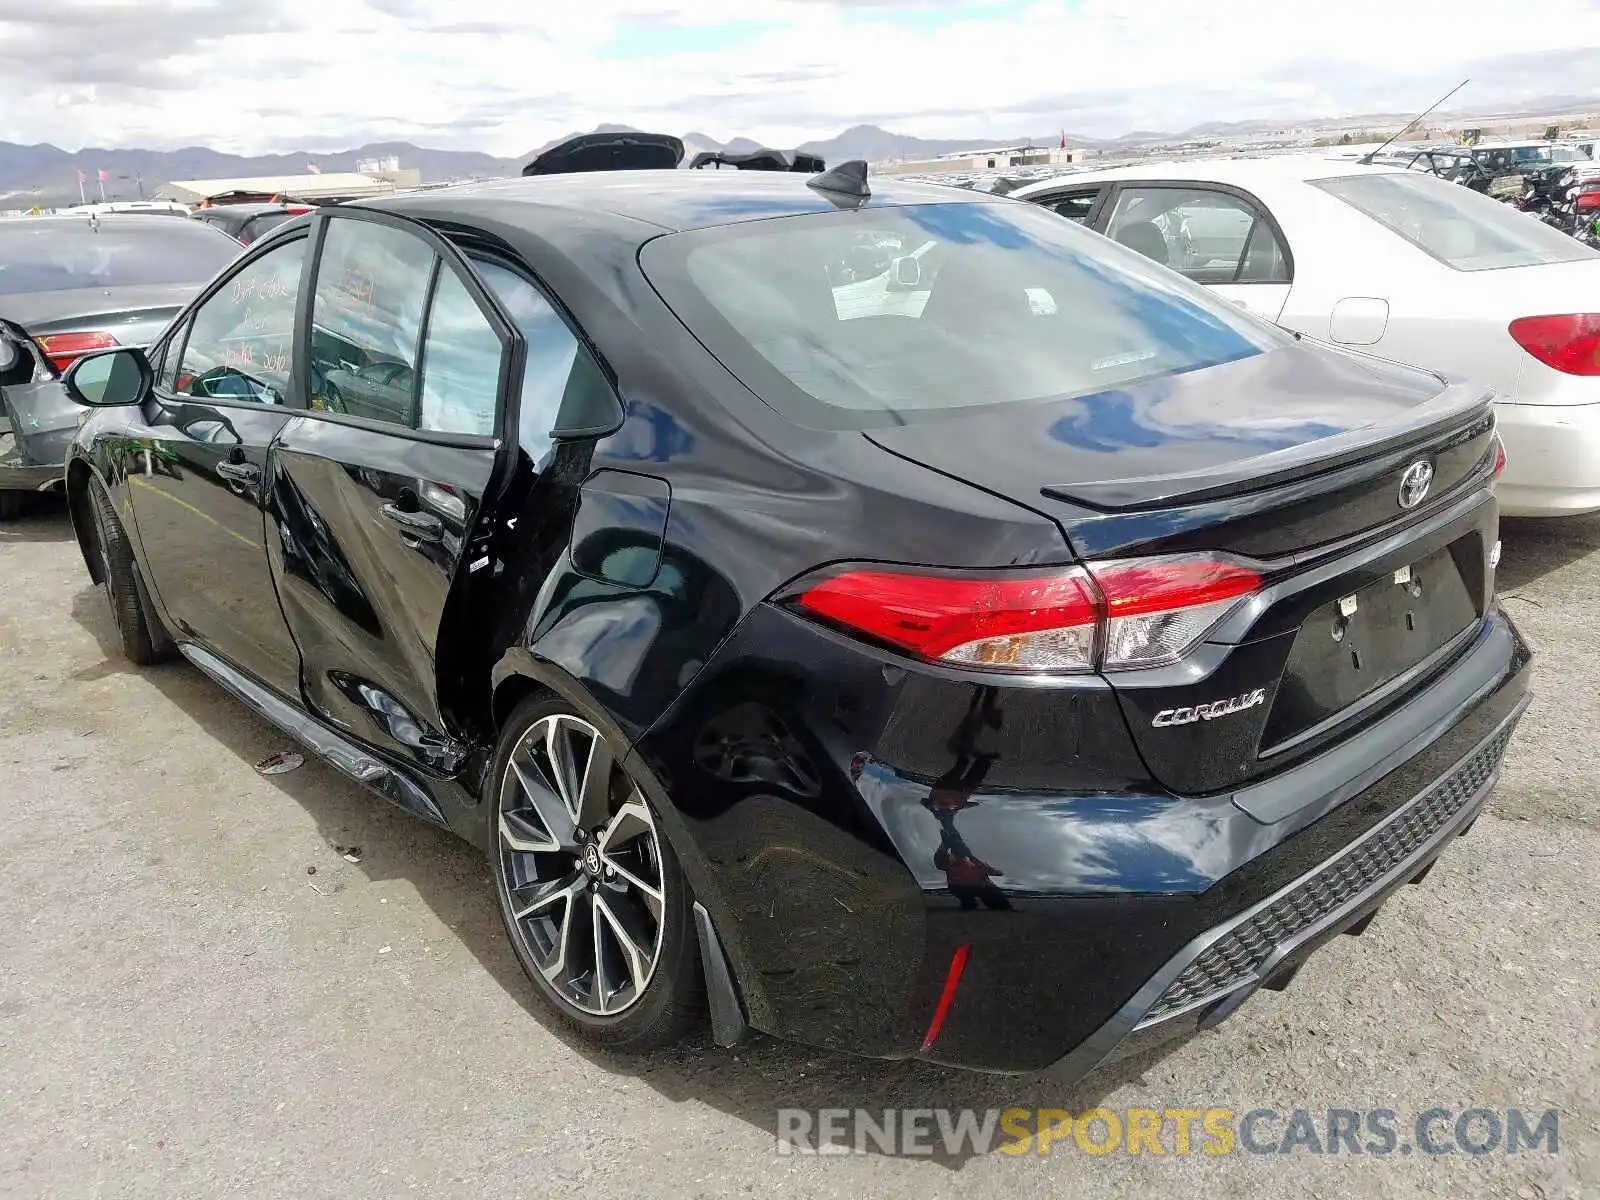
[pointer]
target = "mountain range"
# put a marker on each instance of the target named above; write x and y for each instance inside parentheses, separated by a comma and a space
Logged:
(47, 175)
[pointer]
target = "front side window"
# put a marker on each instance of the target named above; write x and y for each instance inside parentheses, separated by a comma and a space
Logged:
(1210, 236)
(1459, 227)
(241, 340)
(970, 306)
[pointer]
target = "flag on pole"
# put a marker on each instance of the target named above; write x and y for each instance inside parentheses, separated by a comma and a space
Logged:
(104, 175)
(313, 168)
(1063, 139)
(83, 178)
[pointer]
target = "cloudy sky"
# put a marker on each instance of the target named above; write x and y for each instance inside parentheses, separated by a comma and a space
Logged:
(269, 75)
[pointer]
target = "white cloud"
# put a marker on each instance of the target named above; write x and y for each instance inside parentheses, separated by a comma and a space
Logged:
(253, 75)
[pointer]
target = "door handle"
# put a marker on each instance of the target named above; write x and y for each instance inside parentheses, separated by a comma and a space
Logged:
(239, 472)
(424, 527)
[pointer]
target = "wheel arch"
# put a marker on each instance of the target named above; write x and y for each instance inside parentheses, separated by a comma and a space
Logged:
(519, 675)
(79, 477)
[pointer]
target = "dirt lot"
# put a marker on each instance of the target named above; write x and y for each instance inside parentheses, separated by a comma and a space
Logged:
(186, 1010)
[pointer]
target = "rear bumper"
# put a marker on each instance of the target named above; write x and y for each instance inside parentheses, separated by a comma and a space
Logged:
(1109, 977)
(1552, 459)
(33, 451)
(1211, 977)
(29, 477)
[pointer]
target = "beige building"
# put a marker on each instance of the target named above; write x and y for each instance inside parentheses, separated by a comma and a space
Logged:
(997, 159)
(384, 178)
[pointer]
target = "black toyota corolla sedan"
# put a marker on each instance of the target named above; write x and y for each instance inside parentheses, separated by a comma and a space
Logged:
(1012, 657)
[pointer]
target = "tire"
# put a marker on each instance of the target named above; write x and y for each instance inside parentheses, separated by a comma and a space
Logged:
(145, 641)
(13, 504)
(567, 883)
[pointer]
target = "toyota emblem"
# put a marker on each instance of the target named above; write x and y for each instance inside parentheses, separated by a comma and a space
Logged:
(1414, 483)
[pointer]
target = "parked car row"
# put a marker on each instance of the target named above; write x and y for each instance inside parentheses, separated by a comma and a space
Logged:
(886, 616)
(101, 285)
(72, 284)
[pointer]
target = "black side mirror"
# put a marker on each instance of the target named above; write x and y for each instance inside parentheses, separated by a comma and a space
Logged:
(109, 378)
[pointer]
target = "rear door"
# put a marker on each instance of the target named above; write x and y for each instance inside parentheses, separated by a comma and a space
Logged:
(376, 505)
(1216, 235)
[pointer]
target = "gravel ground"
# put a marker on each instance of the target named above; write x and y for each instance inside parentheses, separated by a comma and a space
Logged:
(185, 1009)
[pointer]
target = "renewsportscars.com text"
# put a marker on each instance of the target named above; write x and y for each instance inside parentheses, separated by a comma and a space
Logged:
(1168, 1131)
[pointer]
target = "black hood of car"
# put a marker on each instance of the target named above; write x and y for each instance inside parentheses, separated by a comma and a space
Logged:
(609, 152)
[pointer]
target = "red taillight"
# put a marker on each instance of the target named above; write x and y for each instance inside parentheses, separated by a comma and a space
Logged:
(1588, 199)
(1157, 608)
(1499, 457)
(63, 349)
(1569, 342)
(1041, 622)
(1114, 615)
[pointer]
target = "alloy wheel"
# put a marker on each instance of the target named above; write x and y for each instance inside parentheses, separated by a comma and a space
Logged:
(580, 859)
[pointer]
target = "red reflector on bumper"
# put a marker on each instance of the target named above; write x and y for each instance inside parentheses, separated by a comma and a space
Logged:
(952, 980)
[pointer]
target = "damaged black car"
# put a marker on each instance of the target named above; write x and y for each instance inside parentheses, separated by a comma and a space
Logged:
(1014, 655)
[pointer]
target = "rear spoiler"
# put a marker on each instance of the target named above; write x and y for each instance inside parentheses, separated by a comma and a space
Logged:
(760, 160)
(1459, 405)
(620, 150)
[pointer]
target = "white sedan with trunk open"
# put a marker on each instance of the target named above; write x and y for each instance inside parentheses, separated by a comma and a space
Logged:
(1394, 263)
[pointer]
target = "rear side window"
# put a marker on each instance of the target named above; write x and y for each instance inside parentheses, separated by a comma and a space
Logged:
(860, 320)
(1463, 229)
(366, 321)
(563, 388)
(460, 364)
(1075, 207)
(1211, 236)
(259, 226)
(50, 254)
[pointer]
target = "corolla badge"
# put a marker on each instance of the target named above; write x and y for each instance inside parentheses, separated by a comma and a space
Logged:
(1414, 482)
(1209, 712)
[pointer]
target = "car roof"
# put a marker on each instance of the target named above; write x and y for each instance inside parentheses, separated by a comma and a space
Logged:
(1240, 172)
(667, 200)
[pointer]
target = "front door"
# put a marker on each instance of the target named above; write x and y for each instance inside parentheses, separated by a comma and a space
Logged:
(196, 482)
(377, 487)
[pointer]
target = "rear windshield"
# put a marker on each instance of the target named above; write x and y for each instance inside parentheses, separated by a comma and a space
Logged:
(261, 225)
(878, 317)
(1461, 228)
(56, 255)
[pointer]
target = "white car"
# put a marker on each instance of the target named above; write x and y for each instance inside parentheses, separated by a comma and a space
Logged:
(1395, 263)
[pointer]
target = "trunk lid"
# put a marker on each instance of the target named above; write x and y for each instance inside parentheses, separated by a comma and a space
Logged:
(1293, 460)
(1557, 287)
(1271, 455)
(135, 316)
